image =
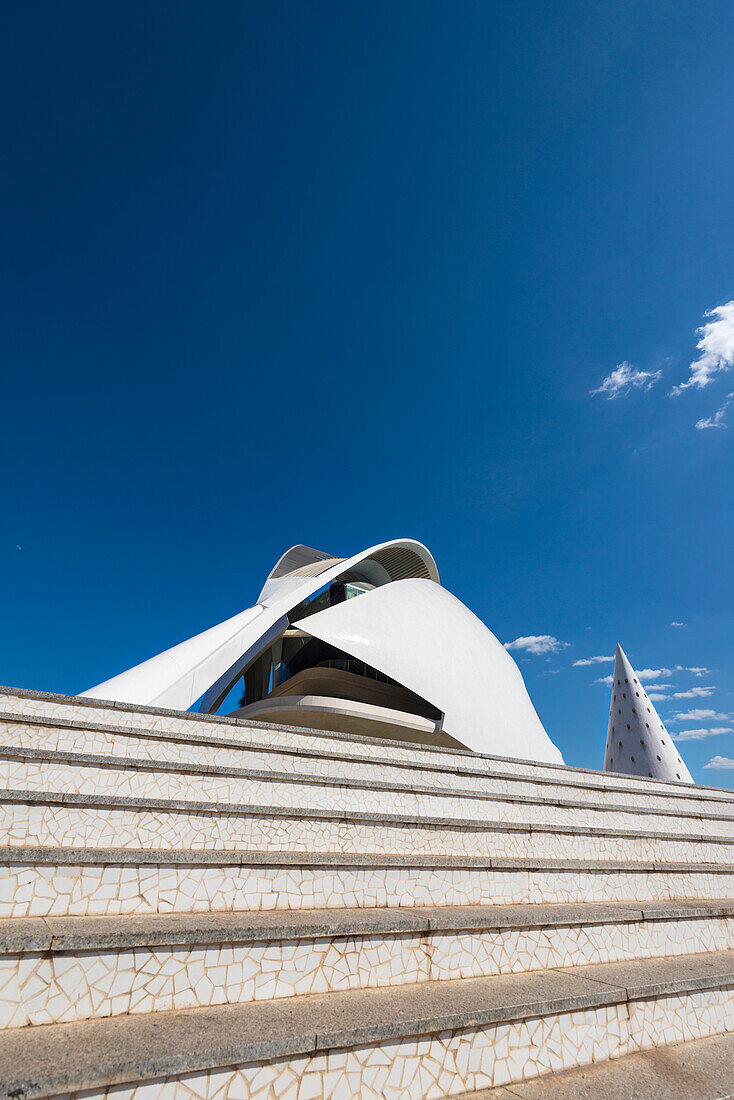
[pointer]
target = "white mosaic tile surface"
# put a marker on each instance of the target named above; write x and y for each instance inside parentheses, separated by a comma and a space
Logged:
(452, 1062)
(38, 988)
(82, 890)
(122, 743)
(59, 824)
(132, 781)
(15, 704)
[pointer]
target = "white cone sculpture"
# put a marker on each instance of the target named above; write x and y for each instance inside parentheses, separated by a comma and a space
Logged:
(637, 741)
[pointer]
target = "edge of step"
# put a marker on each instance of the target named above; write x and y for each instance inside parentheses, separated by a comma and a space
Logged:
(120, 933)
(70, 856)
(56, 1058)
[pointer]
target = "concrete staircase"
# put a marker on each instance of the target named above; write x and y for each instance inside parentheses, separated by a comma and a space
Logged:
(201, 907)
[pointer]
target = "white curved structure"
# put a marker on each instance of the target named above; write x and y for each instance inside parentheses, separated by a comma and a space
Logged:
(637, 741)
(369, 644)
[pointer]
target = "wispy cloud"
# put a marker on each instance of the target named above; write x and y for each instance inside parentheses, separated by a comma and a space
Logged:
(591, 661)
(720, 762)
(718, 420)
(694, 693)
(699, 734)
(657, 678)
(699, 715)
(537, 643)
(625, 378)
(716, 345)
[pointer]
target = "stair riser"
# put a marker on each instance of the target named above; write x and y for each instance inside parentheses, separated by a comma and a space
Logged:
(282, 737)
(452, 1062)
(41, 988)
(115, 745)
(132, 781)
(59, 825)
(112, 889)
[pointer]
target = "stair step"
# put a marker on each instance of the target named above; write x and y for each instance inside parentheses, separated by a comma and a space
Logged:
(45, 881)
(23, 768)
(51, 818)
(452, 1036)
(82, 712)
(345, 759)
(66, 969)
(699, 1070)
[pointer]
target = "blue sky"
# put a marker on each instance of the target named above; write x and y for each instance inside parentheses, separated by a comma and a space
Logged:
(332, 274)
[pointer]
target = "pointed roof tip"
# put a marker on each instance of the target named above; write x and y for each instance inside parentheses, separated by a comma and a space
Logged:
(637, 740)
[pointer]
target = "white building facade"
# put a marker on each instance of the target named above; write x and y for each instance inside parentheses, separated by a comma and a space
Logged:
(371, 644)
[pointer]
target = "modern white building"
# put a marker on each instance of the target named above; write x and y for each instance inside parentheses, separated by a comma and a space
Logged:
(637, 741)
(371, 645)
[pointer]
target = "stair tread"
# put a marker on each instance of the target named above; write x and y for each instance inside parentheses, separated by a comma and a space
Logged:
(29, 854)
(53, 1058)
(133, 930)
(699, 1070)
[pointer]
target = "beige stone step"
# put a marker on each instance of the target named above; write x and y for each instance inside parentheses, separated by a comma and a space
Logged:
(61, 771)
(85, 711)
(60, 970)
(49, 818)
(441, 1038)
(240, 753)
(38, 881)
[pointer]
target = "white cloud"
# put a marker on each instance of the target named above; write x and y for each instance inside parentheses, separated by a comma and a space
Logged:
(699, 734)
(720, 762)
(591, 661)
(677, 624)
(716, 346)
(657, 680)
(625, 378)
(718, 420)
(694, 693)
(537, 643)
(699, 716)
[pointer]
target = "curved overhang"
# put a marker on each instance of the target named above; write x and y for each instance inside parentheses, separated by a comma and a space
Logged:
(347, 717)
(407, 627)
(208, 664)
(303, 570)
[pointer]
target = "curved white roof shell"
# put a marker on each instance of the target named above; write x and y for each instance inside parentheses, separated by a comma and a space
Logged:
(637, 741)
(408, 628)
(202, 664)
(418, 633)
